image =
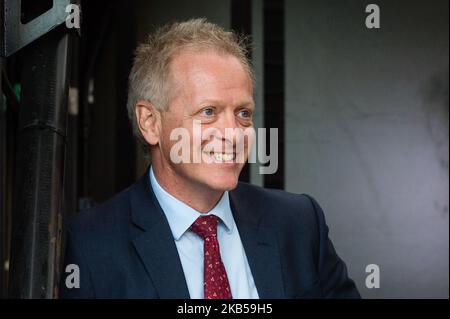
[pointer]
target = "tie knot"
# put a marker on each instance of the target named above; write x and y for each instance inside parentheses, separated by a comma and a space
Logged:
(205, 226)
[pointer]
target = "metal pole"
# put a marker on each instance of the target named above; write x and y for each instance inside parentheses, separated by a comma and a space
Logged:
(39, 167)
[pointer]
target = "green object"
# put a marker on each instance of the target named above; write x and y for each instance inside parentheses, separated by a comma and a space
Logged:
(17, 89)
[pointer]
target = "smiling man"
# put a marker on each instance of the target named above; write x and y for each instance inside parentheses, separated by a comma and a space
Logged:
(189, 229)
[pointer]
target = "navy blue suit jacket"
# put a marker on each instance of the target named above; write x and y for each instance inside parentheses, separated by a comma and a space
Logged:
(124, 247)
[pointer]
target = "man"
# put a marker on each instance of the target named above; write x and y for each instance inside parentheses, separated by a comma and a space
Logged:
(188, 229)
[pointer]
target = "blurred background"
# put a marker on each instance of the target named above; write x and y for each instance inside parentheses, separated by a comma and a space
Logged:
(362, 113)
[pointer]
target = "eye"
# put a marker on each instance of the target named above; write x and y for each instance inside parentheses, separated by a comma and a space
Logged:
(245, 114)
(208, 111)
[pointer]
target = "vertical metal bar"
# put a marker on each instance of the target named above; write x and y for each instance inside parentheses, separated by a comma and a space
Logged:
(3, 195)
(2, 187)
(40, 166)
(274, 83)
(125, 143)
(241, 23)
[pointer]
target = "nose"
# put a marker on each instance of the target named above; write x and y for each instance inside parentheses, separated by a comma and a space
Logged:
(224, 132)
(229, 129)
(236, 137)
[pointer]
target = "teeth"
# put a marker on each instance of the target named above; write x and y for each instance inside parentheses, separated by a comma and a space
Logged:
(223, 157)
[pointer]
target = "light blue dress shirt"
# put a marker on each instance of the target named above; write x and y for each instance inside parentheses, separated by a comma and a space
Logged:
(190, 246)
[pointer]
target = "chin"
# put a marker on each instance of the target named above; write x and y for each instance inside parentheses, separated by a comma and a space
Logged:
(221, 182)
(224, 186)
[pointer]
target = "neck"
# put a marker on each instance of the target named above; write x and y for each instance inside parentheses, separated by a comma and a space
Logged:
(197, 196)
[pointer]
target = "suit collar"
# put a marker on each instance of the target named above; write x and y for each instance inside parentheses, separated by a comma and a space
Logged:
(181, 216)
(154, 242)
(156, 247)
(260, 242)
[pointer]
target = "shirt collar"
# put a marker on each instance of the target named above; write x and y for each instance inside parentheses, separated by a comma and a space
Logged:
(181, 216)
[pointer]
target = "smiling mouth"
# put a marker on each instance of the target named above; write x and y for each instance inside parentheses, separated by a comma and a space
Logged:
(221, 157)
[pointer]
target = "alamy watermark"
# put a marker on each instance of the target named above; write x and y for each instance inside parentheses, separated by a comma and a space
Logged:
(233, 145)
(373, 277)
(73, 277)
(373, 19)
(73, 17)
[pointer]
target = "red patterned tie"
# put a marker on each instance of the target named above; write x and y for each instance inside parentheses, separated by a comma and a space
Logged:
(214, 275)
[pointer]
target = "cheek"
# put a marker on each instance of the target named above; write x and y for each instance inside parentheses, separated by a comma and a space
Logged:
(182, 134)
(196, 135)
(167, 127)
(165, 141)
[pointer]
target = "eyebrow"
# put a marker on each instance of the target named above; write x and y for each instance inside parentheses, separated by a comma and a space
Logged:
(247, 103)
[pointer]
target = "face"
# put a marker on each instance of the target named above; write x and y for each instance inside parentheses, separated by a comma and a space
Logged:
(214, 91)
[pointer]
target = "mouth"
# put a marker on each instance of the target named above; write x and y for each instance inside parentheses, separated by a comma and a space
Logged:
(219, 157)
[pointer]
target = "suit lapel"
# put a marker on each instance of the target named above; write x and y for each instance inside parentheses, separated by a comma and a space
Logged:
(260, 245)
(155, 246)
(154, 243)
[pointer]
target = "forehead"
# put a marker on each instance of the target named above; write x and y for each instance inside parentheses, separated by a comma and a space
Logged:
(210, 75)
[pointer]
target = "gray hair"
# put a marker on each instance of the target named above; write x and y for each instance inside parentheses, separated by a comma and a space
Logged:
(150, 72)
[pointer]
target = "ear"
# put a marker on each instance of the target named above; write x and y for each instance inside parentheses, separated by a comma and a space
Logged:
(149, 121)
